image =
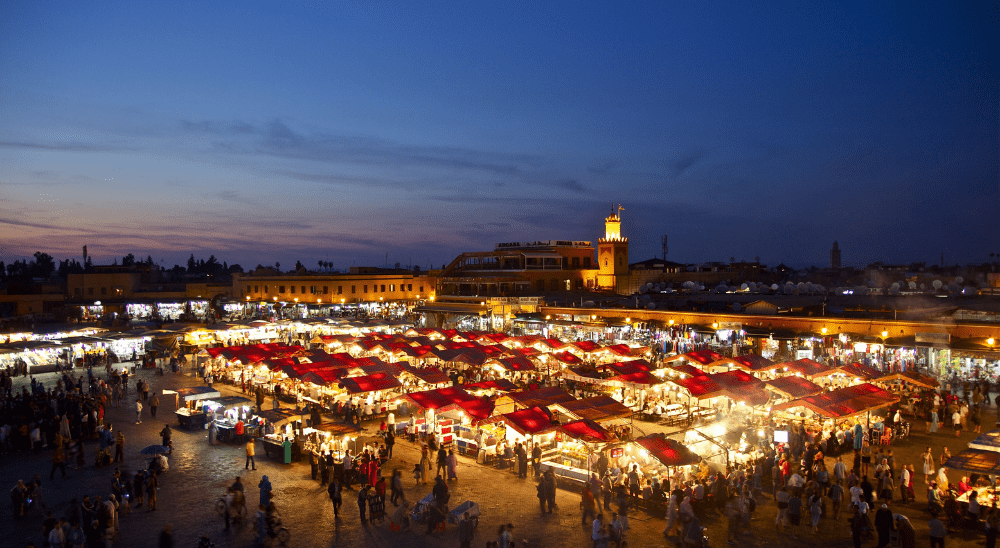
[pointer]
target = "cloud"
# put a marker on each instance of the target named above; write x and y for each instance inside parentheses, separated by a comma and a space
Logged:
(685, 162)
(571, 185)
(235, 127)
(17, 222)
(230, 196)
(63, 147)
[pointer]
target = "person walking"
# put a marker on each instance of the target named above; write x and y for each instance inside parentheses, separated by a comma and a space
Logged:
(138, 411)
(265, 491)
(541, 491)
(335, 496)
(153, 404)
(152, 484)
(836, 497)
(396, 487)
(251, 451)
(120, 447)
(165, 436)
(883, 525)
(452, 462)
(442, 462)
(781, 500)
(588, 505)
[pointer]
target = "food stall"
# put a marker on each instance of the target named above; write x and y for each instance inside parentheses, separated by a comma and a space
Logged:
(279, 433)
(331, 438)
(604, 410)
(449, 414)
(526, 426)
(656, 455)
(577, 445)
(526, 399)
(192, 416)
(226, 412)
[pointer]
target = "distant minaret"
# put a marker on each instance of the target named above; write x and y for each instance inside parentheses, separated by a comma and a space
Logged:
(835, 256)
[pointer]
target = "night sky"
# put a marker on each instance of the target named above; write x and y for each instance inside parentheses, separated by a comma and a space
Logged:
(380, 132)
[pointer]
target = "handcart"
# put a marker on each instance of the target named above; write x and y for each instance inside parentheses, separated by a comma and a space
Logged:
(468, 506)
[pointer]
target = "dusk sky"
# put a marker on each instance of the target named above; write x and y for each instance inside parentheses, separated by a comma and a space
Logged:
(348, 132)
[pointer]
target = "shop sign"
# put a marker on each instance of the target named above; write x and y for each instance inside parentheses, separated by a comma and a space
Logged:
(617, 452)
(781, 436)
(731, 326)
(805, 354)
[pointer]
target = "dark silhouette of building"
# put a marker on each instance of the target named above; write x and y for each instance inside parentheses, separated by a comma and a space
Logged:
(835, 256)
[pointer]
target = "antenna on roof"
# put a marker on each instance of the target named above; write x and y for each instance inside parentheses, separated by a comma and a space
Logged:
(664, 247)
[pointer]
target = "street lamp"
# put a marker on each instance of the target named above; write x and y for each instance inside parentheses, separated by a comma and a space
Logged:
(823, 331)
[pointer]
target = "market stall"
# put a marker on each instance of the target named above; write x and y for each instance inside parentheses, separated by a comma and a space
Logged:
(226, 412)
(524, 399)
(656, 455)
(279, 433)
(574, 454)
(191, 415)
(527, 426)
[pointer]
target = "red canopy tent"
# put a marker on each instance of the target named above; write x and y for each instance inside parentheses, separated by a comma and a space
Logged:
(742, 386)
(324, 376)
(687, 369)
(429, 375)
(369, 383)
(527, 422)
(517, 363)
(700, 386)
(809, 368)
(624, 368)
(844, 402)
(586, 430)
(861, 371)
(794, 387)
(753, 362)
(636, 379)
(586, 346)
(626, 351)
(542, 397)
(668, 451)
(704, 357)
(502, 385)
(451, 397)
(597, 409)
(567, 358)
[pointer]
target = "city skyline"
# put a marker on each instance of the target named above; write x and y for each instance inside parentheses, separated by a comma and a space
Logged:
(354, 132)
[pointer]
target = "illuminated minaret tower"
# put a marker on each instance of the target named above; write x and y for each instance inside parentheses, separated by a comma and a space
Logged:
(612, 253)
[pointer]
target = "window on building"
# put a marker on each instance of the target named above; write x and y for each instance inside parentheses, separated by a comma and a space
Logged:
(312, 289)
(365, 288)
(326, 289)
(340, 290)
(104, 291)
(421, 289)
(383, 288)
(77, 291)
(392, 287)
(281, 289)
(409, 287)
(293, 289)
(303, 290)
(90, 291)
(576, 262)
(256, 289)
(354, 289)
(267, 289)
(586, 262)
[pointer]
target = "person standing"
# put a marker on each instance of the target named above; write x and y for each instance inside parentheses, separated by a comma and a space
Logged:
(362, 502)
(138, 411)
(58, 461)
(335, 496)
(153, 404)
(837, 497)
(883, 525)
(465, 531)
(541, 491)
(265, 491)
(396, 487)
(251, 452)
(390, 440)
(938, 531)
(928, 458)
(858, 526)
(442, 462)
(588, 505)
(522, 461)
(165, 436)
(536, 458)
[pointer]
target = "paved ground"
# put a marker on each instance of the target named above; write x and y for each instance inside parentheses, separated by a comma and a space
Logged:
(199, 474)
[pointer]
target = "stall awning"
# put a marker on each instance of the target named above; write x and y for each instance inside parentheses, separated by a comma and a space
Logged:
(369, 383)
(229, 402)
(989, 441)
(861, 371)
(742, 386)
(844, 402)
(668, 451)
(911, 377)
(704, 357)
(194, 393)
(279, 417)
(567, 358)
(541, 397)
(528, 422)
(699, 386)
(586, 430)
(753, 362)
(794, 387)
(337, 428)
(452, 397)
(429, 375)
(502, 385)
(977, 461)
(517, 363)
(635, 380)
(809, 368)
(597, 409)
(324, 376)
